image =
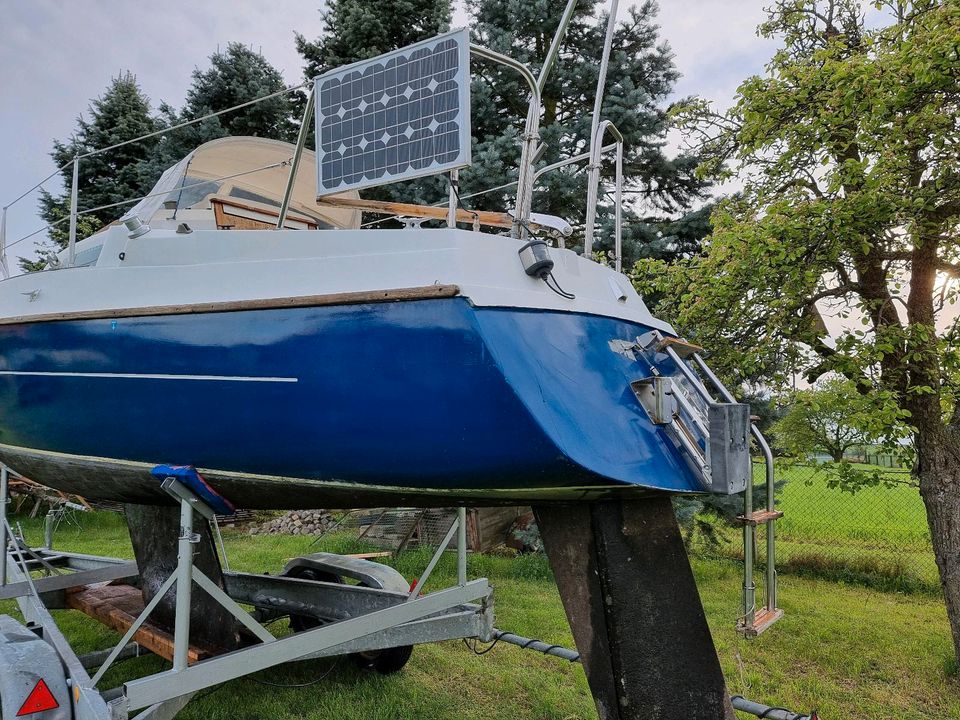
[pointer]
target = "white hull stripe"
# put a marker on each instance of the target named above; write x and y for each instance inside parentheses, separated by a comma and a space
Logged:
(149, 376)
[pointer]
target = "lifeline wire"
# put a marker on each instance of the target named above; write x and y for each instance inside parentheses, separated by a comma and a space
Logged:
(87, 211)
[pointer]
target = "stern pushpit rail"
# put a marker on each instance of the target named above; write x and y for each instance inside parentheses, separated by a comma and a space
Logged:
(710, 432)
(335, 618)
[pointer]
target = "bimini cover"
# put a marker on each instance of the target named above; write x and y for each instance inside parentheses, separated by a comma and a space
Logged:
(244, 169)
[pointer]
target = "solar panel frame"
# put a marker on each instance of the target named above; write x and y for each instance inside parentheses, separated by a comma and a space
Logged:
(402, 115)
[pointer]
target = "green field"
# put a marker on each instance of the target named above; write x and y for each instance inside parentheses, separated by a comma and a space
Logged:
(848, 651)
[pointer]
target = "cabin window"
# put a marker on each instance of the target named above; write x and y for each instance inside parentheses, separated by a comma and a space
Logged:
(88, 256)
(238, 192)
(187, 196)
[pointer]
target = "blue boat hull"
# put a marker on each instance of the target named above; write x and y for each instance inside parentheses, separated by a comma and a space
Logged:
(350, 405)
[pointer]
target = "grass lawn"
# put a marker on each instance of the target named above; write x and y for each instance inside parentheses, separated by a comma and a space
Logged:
(850, 652)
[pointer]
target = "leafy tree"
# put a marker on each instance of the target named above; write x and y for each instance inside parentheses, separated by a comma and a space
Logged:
(826, 418)
(850, 151)
(641, 76)
(121, 113)
(236, 75)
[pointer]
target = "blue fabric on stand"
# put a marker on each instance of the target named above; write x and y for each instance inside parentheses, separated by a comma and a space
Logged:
(189, 476)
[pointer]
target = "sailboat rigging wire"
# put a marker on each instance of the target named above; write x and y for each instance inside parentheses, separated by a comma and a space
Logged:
(87, 211)
(208, 116)
(161, 131)
(39, 184)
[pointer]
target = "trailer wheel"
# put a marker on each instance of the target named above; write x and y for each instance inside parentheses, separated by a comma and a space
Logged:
(384, 662)
(299, 623)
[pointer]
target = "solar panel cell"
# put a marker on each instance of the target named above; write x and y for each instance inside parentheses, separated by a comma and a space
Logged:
(401, 115)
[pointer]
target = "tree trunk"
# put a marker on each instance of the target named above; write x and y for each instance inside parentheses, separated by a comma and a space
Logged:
(938, 470)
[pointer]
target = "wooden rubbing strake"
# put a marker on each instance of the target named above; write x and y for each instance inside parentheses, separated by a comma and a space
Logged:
(426, 292)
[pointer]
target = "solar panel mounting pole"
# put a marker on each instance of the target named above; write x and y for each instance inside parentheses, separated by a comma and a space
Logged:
(531, 135)
(531, 132)
(74, 183)
(3, 244)
(297, 155)
(452, 211)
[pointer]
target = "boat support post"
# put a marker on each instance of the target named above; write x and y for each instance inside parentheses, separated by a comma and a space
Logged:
(4, 501)
(633, 606)
(186, 541)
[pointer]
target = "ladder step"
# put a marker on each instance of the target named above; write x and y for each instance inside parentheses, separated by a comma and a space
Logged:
(760, 517)
(683, 348)
(762, 620)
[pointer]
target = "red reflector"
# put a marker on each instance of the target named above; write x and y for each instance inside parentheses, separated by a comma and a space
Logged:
(40, 699)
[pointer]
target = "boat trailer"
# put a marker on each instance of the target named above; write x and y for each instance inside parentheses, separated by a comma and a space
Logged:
(375, 619)
(640, 652)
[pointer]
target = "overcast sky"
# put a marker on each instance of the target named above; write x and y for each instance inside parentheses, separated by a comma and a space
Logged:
(55, 55)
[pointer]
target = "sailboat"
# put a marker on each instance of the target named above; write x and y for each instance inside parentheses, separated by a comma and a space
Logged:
(239, 319)
(244, 336)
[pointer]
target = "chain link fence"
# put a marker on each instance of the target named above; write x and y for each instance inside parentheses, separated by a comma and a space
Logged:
(877, 535)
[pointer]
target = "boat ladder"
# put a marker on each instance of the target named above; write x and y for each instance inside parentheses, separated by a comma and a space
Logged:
(753, 620)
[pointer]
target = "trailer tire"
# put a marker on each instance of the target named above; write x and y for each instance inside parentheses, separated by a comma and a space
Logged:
(385, 662)
(299, 623)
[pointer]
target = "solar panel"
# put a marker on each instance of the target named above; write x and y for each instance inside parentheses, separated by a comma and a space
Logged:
(398, 116)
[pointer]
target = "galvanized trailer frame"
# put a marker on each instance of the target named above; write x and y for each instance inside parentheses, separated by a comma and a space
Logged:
(384, 614)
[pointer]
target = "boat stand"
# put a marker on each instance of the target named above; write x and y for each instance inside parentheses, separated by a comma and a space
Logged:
(633, 606)
(42, 677)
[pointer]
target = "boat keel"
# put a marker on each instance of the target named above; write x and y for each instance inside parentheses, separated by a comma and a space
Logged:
(633, 606)
(153, 531)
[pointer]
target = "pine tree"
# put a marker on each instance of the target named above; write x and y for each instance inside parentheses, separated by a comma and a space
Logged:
(359, 29)
(235, 76)
(641, 75)
(658, 220)
(355, 30)
(121, 113)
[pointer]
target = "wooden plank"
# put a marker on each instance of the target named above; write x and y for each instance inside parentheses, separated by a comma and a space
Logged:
(383, 207)
(427, 292)
(117, 607)
(368, 555)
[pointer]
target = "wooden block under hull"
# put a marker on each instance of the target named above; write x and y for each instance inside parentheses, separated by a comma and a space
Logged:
(117, 607)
